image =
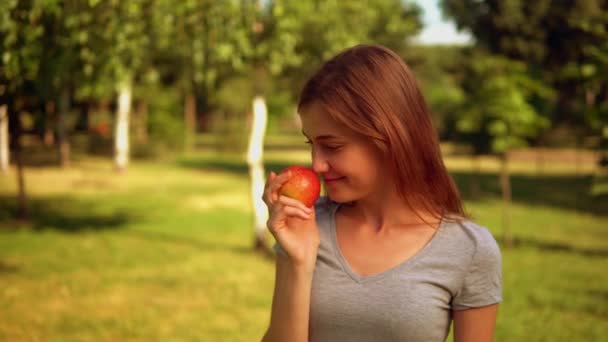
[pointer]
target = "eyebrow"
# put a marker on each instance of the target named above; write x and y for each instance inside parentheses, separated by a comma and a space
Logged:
(322, 137)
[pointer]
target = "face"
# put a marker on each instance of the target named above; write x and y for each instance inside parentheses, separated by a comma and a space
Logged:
(350, 166)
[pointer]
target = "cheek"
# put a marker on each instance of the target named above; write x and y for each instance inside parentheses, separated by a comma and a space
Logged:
(369, 175)
(370, 169)
(343, 163)
(359, 167)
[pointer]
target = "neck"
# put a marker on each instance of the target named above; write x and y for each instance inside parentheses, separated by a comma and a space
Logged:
(384, 211)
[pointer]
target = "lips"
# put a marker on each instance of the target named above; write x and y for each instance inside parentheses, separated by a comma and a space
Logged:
(329, 180)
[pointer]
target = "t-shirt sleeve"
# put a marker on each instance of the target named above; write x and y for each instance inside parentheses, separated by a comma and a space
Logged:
(483, 281)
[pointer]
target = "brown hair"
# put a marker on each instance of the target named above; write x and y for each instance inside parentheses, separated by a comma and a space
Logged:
(370, 90)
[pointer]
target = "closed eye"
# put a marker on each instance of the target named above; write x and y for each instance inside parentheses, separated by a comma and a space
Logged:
(325, 146)
(332, 147)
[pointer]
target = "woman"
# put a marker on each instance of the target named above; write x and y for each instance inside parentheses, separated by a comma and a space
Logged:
(388, 254)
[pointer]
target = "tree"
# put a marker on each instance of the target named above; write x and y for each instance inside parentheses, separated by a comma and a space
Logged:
(21, 51)
(130, 42)
(497, 115)
(557, 39)
(65, 65)
(593, 72)
(438, 69)
(4, 150)
(306, 33)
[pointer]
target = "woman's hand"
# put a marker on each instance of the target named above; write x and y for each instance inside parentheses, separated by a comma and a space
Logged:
(291, 223)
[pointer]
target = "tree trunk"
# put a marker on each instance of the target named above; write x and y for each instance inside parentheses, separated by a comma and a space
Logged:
(22, 212)
(505, 185)
(203, 110)
(121, 136)
(141, 131)
(4, 150)
(475, 187)
(577, 155)
(189, 120)
(540, 159)
(83, 119)
(62, 136)
(15, 143)
(256, 171)
(49, 136)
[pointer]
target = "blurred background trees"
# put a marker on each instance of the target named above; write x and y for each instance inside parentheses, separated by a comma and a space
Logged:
(149, 78)
(131, 134)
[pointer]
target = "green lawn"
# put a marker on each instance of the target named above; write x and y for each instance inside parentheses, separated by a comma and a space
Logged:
(162, 252)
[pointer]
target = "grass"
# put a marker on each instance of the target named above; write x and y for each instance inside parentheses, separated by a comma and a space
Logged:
(163, 252)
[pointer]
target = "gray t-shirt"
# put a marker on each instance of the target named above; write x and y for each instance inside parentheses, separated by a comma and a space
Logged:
(460, 268)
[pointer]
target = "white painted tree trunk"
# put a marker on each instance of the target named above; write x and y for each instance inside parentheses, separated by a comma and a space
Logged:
(121, 136)
(4, 150)
(256, 167)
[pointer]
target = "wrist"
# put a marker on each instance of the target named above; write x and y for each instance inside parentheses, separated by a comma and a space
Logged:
(299, 266)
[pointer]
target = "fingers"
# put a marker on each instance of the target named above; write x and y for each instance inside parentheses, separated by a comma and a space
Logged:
(273, 184)
(290, 211)
(285, 208)
(294, 203)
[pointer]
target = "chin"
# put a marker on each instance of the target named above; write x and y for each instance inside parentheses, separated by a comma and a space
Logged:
(341, 198)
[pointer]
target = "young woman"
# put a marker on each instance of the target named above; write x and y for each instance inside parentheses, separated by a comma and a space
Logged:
(388, 254)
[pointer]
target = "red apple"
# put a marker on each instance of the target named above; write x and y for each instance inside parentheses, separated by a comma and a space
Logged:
(302, 185)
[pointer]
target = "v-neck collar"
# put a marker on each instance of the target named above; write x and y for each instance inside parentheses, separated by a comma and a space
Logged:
(373, 277)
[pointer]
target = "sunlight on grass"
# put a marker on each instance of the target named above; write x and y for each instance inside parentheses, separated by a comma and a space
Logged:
(231, 200)
(163, 252)
(492, 164)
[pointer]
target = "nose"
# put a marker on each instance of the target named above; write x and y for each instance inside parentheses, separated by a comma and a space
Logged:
(319, 162)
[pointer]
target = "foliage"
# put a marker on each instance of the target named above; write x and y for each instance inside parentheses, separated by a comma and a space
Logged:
(306, 33)
(496, 114)
(438, 69)
(563, 42)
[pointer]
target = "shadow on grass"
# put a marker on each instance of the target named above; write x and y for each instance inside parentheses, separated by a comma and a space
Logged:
(560, 247)
(188, 241)
(569, 192)
(6, 268)
(598, 294)
(228, 165)
(64, 213)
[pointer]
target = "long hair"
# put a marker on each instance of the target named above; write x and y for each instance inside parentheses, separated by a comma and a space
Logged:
(370, 90)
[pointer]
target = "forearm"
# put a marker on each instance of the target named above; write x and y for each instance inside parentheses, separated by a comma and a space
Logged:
(291, 303)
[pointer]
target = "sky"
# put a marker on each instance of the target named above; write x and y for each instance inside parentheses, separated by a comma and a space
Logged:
(436, 29)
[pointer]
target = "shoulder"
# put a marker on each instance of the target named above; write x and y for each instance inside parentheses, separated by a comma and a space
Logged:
(476, 239)
(481, 266)
(471, 232)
